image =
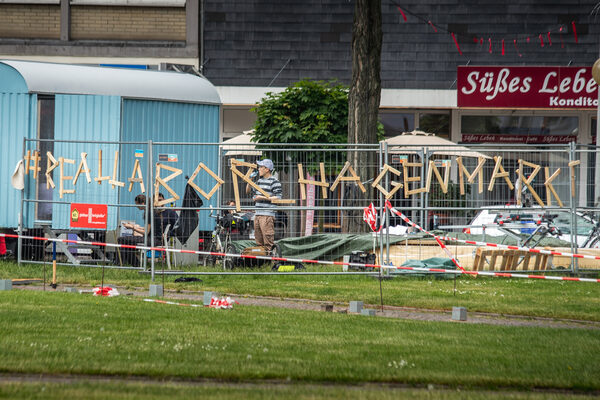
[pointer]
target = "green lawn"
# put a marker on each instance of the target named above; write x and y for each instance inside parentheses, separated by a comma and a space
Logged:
(554, 299)
(65, 333)
(170, 390)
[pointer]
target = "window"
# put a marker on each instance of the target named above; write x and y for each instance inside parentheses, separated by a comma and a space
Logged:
(45, 131)
(394, 123)
(519, 129)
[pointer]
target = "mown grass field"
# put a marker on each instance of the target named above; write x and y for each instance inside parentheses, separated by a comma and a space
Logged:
(259, 352)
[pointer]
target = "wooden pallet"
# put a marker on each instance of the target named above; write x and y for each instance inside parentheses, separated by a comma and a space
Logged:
(507, 260)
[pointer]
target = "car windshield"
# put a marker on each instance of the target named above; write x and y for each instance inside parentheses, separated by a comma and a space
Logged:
(563, 222)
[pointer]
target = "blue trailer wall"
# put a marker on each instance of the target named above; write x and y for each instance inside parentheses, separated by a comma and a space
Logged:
(86, 118)
(18, 116)
(162, 121)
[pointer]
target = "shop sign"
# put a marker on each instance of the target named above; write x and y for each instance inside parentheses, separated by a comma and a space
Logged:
(526, 87)
(92, 216)
(523, 139)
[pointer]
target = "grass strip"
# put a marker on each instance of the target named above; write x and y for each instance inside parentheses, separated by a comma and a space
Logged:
(552, 299)
(172, 390)
(65, 333)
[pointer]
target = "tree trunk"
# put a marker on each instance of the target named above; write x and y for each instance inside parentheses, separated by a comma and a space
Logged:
(363, 104)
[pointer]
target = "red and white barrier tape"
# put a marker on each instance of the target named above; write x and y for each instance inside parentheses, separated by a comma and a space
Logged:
(268, 258)
(496, 245)
(223, 303)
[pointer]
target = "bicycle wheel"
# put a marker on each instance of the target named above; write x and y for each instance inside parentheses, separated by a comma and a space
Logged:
(229, 262)
(595, 244)
(209, 259)
(276, 250)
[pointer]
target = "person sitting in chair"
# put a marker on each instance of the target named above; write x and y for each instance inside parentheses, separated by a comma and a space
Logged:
(162, 219)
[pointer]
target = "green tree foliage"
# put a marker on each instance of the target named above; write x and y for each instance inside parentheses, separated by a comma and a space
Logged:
(307, 112)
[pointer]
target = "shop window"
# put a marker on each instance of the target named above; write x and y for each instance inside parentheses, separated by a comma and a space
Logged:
(519, 129)
(439, 124)
(396, 123)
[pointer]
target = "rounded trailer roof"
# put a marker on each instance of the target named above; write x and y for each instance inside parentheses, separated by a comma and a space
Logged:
(51, 78)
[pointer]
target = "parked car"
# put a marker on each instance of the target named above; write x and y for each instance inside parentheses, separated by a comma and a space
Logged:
(587, 235)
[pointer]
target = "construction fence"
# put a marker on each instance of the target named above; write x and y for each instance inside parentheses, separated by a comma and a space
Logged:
(545, 197)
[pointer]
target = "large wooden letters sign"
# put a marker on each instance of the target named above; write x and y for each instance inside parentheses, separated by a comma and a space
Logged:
(32, 161)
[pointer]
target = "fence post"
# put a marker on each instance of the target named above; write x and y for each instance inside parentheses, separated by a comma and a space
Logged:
(573, 206)
(149, 209)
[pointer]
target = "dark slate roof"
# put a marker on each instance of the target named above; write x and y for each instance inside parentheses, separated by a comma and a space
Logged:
(248, 42)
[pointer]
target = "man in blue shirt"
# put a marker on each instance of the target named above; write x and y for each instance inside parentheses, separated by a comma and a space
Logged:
(264, 217)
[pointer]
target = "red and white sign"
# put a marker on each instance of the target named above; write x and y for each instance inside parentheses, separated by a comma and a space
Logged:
(526, 87)
(88, 216)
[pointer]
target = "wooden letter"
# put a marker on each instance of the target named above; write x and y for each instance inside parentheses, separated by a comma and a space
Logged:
(61, 189)
(433, 170)
(572, 165)
(527, 182)
(114, 182)
(407, 179)
(549, 188)
(478, 171)
(235, 173)
(83, 167)
(352, 178)
(100, 178)
(211, 173)
(302, 181)
(36, 163)
(163, 182)
(51, 164)
(397, 186)
(137, 170)
(499, 172)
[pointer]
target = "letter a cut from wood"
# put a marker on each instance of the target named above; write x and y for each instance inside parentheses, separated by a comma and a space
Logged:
(499, 172)
(352, 178)
(83, 167)
(137, 170)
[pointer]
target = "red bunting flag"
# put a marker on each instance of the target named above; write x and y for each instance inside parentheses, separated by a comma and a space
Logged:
(516, 48)
(541, 40)
(562, 43)
(456, 43)
(502, 46)
(549, 40)
(490, 46)
(433, 26)
(574, 31)
(402, 12)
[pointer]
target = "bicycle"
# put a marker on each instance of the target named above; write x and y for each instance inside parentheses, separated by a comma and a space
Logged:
(592, 241)
(221, 240)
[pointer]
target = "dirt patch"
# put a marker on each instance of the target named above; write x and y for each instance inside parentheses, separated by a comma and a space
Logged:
(387, 312)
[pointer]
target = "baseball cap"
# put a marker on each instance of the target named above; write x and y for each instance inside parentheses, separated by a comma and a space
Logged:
(266, 163)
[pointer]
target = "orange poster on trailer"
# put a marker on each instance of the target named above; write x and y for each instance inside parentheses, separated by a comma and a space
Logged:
(93, 216)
